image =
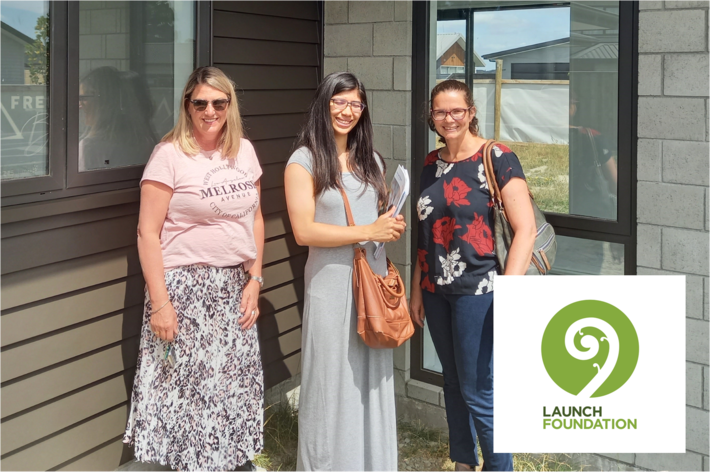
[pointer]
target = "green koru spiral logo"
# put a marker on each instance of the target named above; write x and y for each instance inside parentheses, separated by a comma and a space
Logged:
(590, 348)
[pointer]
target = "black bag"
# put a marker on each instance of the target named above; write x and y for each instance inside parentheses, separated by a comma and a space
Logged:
(545, 247)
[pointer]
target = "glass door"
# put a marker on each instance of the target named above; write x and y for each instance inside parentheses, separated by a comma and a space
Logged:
(546, 78)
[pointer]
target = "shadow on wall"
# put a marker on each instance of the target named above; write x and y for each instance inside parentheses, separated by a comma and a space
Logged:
(132, 324)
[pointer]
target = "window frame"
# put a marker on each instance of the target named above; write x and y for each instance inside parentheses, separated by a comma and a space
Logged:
(622, 231)
(64, 179)
(56, 103)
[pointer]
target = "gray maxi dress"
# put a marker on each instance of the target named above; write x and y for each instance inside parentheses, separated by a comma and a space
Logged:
(347, 418)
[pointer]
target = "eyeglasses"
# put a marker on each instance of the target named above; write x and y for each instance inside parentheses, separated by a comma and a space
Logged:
(219, 105)
(340, 104)
(456, 114)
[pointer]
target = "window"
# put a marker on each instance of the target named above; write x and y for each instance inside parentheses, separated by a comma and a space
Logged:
(25, 91)
(540, 71)
(562, 83)
(85, 101)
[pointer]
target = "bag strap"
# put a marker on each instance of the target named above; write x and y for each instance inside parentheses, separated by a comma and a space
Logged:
(348, 213)
(494, 190)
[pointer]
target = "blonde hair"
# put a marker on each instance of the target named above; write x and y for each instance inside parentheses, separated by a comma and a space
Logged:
(182, 134)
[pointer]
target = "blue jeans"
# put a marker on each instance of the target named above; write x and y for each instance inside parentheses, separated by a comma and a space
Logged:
(461, 327)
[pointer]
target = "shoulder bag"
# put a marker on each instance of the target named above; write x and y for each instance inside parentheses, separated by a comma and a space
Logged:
(383, 319)
(545, 246)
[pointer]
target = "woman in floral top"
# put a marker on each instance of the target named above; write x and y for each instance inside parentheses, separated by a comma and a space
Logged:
(453, 280)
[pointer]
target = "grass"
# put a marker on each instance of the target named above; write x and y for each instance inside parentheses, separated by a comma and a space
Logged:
(419, 447)
(280, 438)
(546, 169)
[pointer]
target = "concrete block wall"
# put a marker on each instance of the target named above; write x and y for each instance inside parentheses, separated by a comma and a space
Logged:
(373, 40)
(104, 35)
(672, 204)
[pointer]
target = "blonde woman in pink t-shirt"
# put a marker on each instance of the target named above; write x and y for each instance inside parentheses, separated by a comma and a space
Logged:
(197, 400)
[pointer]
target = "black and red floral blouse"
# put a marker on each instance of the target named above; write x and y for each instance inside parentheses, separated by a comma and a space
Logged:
(455, 248)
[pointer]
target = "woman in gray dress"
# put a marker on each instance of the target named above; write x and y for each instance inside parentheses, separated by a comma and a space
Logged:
(346, 411)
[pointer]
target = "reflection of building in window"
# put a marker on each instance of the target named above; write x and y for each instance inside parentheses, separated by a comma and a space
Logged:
(451, 56)
(14, 56)
(117, 112)
(548, 60)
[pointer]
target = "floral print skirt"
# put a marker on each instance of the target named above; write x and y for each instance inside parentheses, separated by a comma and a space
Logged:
(205, 412)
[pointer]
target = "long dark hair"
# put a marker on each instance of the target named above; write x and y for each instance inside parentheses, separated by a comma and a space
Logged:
(317, 135)
(452, 85)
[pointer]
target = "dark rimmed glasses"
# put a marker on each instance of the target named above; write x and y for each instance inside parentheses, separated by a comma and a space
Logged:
(341, 103)
(219, 105)
(456, 114)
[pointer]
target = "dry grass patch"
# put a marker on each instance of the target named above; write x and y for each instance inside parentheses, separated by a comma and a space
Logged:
(280, 438)
(419, 447)
(546, 169)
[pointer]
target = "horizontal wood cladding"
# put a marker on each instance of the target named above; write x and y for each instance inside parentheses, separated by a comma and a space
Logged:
(73, 443)
(285, 271)
(274, 150)
(250, 26)
(55, 416)
(67, 377)
(64, 206)
(272, 201)
(283, 369)
(276, 348)
(96, 458)
(275, 53)
(274, 102)
(286, 9)
(281, 297)
(274, 126)
(61, 244)
(273, 325)
(267, 77)
(72, 289)
(271, 50)
(69, 219)
(21, 288)
(25, 358)
(277, 224)
(75, 307)
(282, 248)
(273, 176)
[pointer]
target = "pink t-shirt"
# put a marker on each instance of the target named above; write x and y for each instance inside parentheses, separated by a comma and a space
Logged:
(210, 218)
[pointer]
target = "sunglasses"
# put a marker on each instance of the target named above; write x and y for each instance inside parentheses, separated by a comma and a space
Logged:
(219, 105)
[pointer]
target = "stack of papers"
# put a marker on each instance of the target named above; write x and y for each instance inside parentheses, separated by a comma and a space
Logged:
(399, 191)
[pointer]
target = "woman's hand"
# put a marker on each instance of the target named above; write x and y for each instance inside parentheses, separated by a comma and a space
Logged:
(416, 307)
(164, 323)
(248, 307)
(387, 229)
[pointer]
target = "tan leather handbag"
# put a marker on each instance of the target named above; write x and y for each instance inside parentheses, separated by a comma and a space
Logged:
(383, 319)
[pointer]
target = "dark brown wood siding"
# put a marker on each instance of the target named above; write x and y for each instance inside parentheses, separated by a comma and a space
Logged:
(72, 289)
(272, 52)
(72, 295)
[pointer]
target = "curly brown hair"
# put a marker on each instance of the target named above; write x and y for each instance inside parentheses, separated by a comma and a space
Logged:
(453, 86)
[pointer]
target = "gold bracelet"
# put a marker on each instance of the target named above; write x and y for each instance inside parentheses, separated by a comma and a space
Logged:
(164, 305)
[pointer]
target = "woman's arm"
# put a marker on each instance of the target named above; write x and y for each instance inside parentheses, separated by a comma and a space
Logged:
(155, 198)
(518, 208)
(250, 295)
(610, 172)
(416, 307)
(302, 210)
